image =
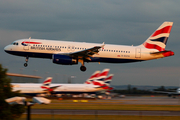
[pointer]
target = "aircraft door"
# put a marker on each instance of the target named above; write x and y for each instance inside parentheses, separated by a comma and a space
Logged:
(138, 53)
(26, 45)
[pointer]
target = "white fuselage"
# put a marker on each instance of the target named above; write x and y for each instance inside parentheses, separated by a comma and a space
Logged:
(110, 53)
(35, 88)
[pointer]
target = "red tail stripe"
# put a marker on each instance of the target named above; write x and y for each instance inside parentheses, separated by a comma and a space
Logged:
(103, 73)
(166, 29)
(88, 82)
(47, 81)
(97, 83)
(44, 87)
(94, 76)
(153, 46)
(110, 77)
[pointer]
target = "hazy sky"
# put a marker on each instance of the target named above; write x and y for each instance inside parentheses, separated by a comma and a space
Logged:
(121, 22)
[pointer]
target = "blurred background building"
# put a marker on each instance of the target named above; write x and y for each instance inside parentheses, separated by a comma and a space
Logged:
(21, 78)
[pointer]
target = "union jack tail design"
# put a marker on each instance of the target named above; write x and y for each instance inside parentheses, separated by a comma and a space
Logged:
(93, 76)
(46, 83)
(159, 38)
(101, 77)
(108, 80)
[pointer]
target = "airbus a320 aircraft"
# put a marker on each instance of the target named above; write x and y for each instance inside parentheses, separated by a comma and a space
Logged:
(47, 87)
(70, 53)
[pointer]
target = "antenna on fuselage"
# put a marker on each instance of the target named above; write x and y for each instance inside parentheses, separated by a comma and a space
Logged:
(29, 37)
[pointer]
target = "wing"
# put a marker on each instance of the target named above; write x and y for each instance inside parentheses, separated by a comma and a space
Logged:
(85, 54)
(50, 89)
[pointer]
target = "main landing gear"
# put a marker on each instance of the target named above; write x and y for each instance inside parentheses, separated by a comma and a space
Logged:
(26, 64)
(82, 68)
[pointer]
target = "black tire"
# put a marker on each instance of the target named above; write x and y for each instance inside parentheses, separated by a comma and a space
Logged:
(25, 64)
(83, 68)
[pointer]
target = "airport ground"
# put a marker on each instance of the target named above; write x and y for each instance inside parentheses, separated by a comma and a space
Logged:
(130, 107)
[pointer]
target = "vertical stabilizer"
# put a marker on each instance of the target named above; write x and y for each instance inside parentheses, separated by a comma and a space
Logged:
(159, 38)
(46, 83)
(108, 80)
(99, 80)
(93, 76)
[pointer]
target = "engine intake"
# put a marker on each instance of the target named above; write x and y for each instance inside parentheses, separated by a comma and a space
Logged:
(64, 60)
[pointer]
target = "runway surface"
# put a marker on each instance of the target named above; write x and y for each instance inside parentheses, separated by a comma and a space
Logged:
(138, 100)
(105, 112)
(149, 100)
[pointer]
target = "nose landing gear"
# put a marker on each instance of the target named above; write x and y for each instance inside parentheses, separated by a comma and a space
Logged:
(26, 64)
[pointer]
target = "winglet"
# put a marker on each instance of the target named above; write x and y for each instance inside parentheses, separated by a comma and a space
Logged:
(103, 45)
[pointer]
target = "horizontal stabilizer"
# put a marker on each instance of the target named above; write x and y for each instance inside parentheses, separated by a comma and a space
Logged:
(165, 53)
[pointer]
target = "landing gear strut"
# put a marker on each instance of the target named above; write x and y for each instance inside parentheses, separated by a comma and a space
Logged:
(26, 64)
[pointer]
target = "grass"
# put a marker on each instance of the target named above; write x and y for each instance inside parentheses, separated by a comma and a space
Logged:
(98, 117)
(104, 105)
(101, 105)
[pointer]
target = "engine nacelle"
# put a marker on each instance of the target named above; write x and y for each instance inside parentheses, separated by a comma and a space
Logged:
(64, 60)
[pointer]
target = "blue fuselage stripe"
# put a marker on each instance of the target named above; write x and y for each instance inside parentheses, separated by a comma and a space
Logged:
(93, 59)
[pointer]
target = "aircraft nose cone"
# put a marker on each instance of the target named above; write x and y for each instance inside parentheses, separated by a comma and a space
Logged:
(6, 48)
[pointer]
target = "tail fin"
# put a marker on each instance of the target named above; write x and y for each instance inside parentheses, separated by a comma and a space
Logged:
(46, 83)
(159, 38)
(93, 76)
(103, 74)
(100, 78)
(108, 80)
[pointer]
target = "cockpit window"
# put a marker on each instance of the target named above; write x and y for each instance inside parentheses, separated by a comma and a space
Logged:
(15, 43)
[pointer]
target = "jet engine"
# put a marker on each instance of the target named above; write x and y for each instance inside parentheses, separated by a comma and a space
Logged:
(64, 59)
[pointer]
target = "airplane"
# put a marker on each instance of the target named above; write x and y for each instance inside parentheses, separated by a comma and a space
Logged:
(105, 84)
(32, 88)
(101, 76)
(101, 79)
(174, 93)
(48, 88)
(70, 53)
(92, 78)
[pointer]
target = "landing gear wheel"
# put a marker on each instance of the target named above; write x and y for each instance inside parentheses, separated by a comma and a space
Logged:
(83, 68)
(25, 64)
